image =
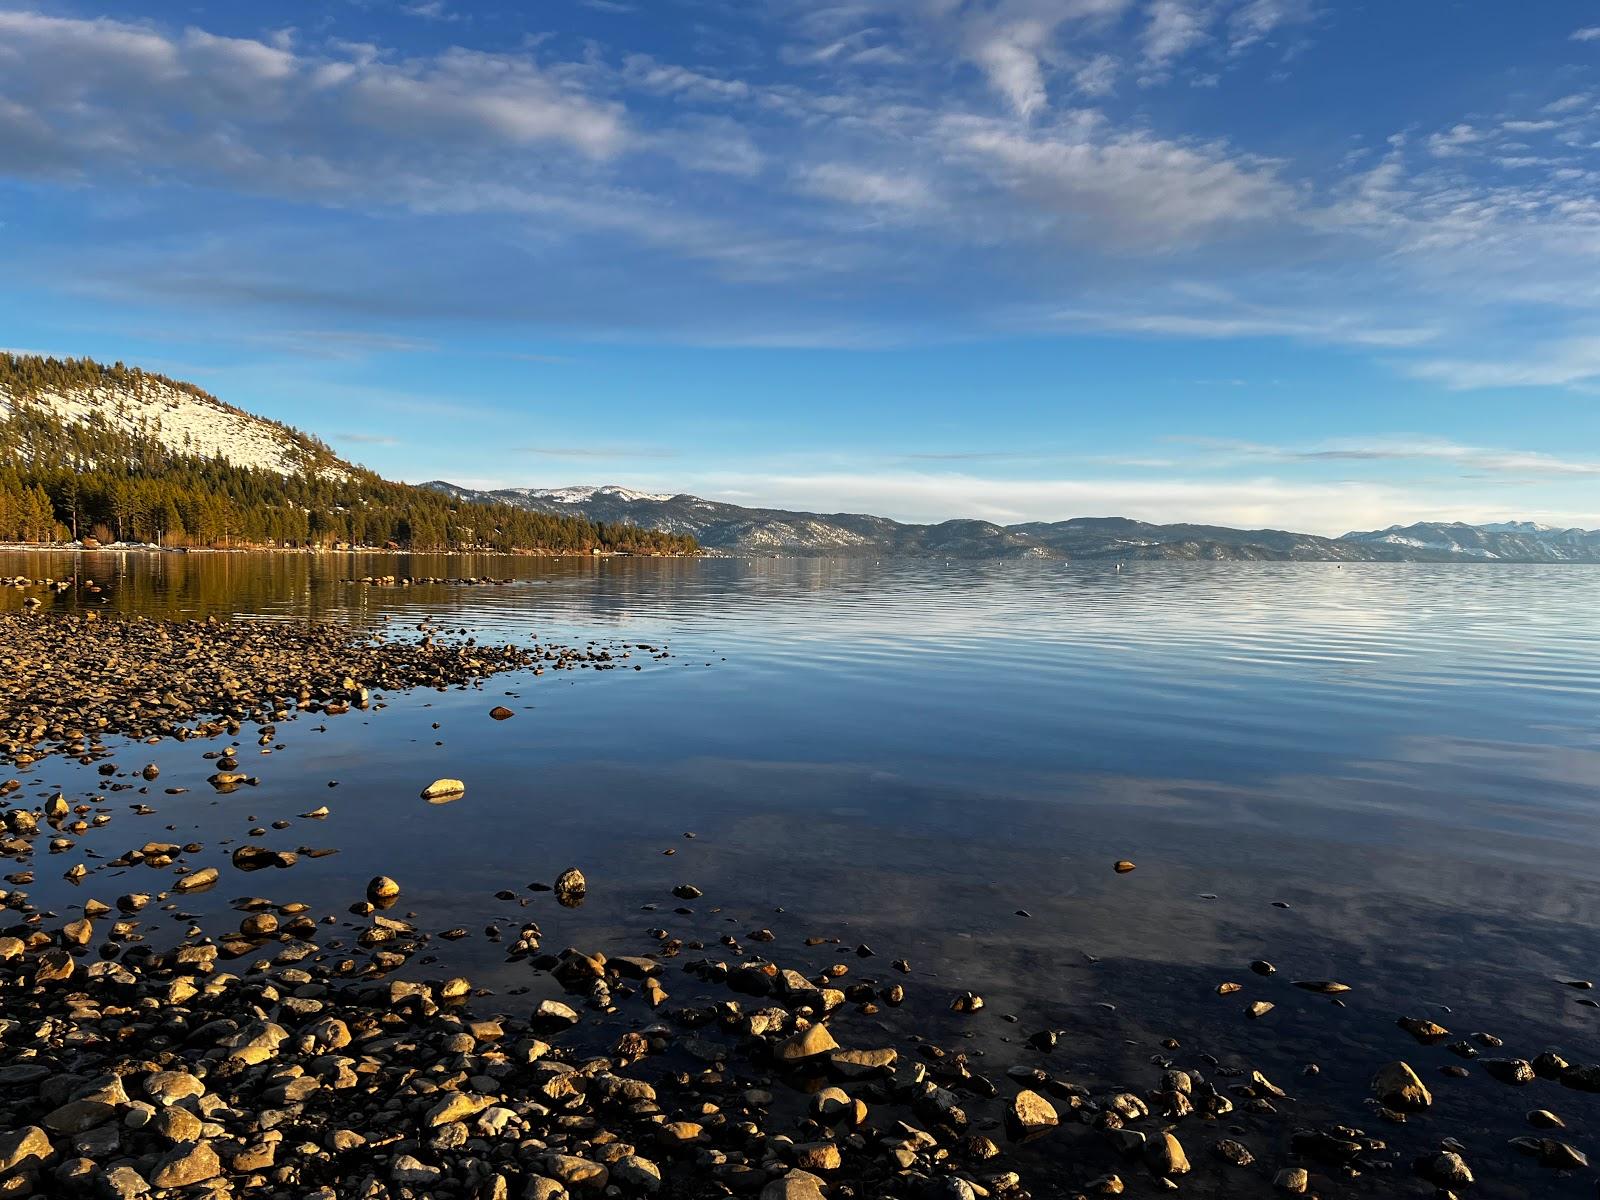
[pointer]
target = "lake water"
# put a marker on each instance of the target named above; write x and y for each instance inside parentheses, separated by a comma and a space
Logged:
(1384, 774)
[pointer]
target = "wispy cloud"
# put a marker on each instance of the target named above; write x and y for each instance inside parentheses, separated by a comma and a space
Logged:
(1398, 449)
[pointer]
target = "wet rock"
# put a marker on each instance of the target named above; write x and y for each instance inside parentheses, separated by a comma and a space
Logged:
(1513, 1071)
(441, 789)
(1029, 1115)
(570, 885)
(197, 881)
(381, 888)
(811, 1042)
(1399, 1087)
(1445, 1170)
(1425, 1031)
(1236, 1153)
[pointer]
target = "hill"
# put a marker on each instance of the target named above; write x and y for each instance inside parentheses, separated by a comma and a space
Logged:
(120, 454)
(1505, 541)
(736, 529)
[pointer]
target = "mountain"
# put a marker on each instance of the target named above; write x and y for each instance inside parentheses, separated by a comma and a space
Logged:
(118, 454)
(122, 404)
(735, 529)
(1504, 541)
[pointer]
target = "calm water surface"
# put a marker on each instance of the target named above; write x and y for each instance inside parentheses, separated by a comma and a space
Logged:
(905, 754)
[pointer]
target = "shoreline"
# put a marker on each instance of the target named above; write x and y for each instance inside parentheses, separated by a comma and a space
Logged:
(75, 548)
(699, 1058)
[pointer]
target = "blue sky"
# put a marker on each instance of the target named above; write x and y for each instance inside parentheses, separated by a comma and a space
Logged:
(1279, 262)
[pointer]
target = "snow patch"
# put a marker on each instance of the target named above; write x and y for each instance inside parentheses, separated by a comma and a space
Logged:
(180, 420)
(582, 494)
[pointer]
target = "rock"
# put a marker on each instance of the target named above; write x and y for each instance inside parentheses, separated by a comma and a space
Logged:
(169, 1087)
(571, 885)
(1292, 1180)
(501, 713)
(796, 1185)
(457, 1107)
(196, 881)
(381, 887)
(818, 1156)
(1513, 1071)
(1446, 1170)
(124, 1183)
(1029, 1115)
(1122, 866)
(554, 1014)
(576, 1174)
(256, 858)
(636, 1174)
(24, 1149)
(810, 1042)
(1398, 1086)
(1167, 1157)
(863, 1064)
(1234, 1152)
(441, 789)
(78, 1115)
(410, 1169)
(1325, 987)
(185, 1165)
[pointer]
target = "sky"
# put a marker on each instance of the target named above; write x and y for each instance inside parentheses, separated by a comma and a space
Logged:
(1311, 265)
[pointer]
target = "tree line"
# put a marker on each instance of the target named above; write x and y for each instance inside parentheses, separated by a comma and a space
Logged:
(61, 480)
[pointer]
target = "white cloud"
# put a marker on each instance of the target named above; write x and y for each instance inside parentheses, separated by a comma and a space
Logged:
(1098, 76)
(1395, 448)
(1453, 141)
(1267, 502)
(1560, 364)
(1174, 28)
(1229, 322)
(1129, 186)
(107, 87)
(852, 184)
(1259, 19)
(1589, 33)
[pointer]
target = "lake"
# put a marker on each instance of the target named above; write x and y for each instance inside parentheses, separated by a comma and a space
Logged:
(1383, 774)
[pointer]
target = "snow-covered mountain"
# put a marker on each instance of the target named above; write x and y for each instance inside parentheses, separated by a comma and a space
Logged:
(1501, 541)
(182, 418)
(734, 528)
(584, 494)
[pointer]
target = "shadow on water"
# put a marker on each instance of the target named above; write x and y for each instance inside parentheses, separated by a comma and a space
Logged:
(1382, 774)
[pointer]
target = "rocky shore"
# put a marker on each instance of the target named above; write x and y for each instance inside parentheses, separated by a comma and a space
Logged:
(288, 1051)
(72, 681)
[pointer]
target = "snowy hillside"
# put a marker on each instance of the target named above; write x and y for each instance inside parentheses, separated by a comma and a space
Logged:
(185, 421)
(584, 493)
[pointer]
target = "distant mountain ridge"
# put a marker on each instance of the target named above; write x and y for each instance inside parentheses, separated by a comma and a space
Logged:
(737, 529)
(1502, 541)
